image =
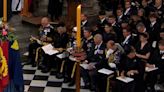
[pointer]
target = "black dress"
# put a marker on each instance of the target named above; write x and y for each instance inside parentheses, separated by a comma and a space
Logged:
(143, 51)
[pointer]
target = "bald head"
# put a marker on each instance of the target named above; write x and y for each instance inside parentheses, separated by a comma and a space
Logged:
(44, 21)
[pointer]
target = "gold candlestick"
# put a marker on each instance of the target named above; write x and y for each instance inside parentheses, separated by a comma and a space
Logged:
(5, 11)
(78, 38)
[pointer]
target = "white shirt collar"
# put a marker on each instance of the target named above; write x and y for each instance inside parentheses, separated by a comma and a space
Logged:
(153, 23)
(120, 16)
(113, 23)
(127, 10)
(90, 37)
(102, 20)
(159, 7)
(161, 51)
(83, 22)
(144, 30)
(98, 46)
(48, 25)
(126, 39)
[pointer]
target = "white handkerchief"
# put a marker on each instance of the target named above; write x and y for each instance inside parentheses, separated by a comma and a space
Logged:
(105, 71)
(148, 69)
(125, 79)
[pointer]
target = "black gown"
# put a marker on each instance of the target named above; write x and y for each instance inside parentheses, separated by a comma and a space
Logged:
(146, 49)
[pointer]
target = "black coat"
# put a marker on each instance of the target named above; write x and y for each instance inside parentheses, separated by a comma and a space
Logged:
(99, 57)
(154, 32)
(157, 59)
(132, 11)
(60, 40)
(118, 32)
(108, 36)
(101, 25)
(55, 7)
(131, 41)
(87, 45)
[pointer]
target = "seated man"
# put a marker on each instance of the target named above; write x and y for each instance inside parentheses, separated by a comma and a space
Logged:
(87, 45)
(45, 35)
(157, 59)
(87, 40)
(112, 62)
(60, 40)
(94, 58)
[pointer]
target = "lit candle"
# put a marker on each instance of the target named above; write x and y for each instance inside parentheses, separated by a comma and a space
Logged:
(78, 26)
(4, 11)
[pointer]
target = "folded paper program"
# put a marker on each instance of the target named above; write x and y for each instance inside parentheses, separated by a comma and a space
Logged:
(125, 79)
(49, 49)
(105, 71)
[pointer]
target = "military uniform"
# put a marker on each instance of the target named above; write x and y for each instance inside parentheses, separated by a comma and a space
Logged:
(87, 44)
(96, 56)
(46, 31)
(59, 41)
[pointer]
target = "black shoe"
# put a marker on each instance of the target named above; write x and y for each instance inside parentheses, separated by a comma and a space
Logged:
(46, 70)
(72, 83)
(93, 88)
(59, 75)
(87, 86)
(41, 67)
(28, 63)
(34, 65)
(66, 80)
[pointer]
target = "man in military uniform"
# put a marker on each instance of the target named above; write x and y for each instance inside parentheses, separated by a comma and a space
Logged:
(87, 40)
(94, 58)
(46, 32)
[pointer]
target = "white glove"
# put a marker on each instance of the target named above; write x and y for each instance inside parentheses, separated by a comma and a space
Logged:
(112, 65)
